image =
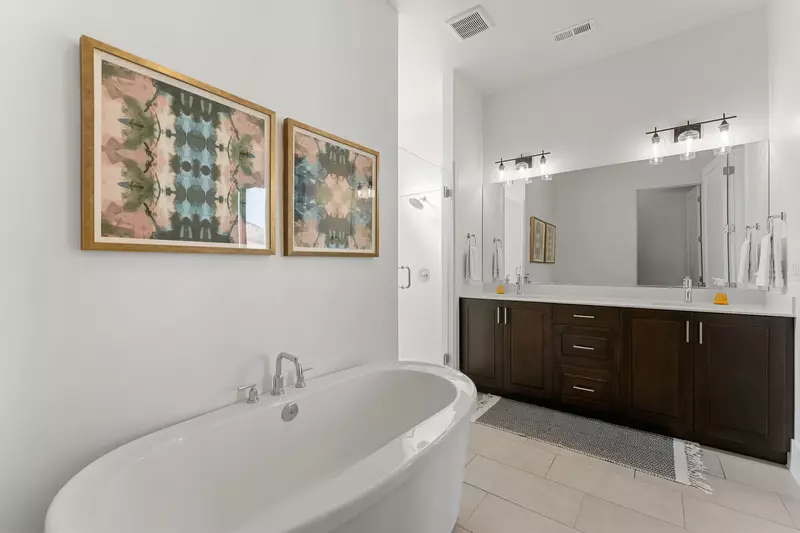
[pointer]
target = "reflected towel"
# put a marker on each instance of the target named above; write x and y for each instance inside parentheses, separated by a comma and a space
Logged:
(744, 264)
(764, 262)
(496, 265)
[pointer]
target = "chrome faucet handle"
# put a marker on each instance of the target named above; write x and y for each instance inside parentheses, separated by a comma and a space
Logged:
(252, 392)
(277, 385)
(301, 378)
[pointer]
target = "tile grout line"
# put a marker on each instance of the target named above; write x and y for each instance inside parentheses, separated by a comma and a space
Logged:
(531, 510)
(583, 497)
(779, 494)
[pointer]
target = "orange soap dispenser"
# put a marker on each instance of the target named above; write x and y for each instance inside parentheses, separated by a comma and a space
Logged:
(721, 298)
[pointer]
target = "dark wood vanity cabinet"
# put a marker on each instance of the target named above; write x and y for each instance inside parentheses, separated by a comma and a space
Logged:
(482, 343)
(527, 354)
(506, 346)
(724, 380)
(742, 392)
(656, 370)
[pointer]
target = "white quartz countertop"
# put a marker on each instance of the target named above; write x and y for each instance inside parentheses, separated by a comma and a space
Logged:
(781, 306)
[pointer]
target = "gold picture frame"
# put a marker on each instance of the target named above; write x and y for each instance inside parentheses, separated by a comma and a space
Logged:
(537, 240)
(211, 216)
(343, 173)
(550, 243)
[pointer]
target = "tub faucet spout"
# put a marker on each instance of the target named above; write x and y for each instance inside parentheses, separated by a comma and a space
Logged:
(277, 381)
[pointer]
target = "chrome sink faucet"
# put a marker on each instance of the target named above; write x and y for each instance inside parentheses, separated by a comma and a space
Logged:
(687, 290)
(521, 279)
(277, 380)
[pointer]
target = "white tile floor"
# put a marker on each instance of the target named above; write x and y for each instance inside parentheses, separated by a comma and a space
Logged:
(516, 485)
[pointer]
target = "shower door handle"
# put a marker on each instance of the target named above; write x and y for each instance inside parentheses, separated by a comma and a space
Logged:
(408, 270)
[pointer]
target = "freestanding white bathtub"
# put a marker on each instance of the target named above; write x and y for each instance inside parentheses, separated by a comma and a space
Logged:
(373, 449)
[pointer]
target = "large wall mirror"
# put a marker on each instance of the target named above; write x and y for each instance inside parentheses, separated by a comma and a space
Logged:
(633, 224)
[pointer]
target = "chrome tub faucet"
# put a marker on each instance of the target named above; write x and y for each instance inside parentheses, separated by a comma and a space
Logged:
(277, 380)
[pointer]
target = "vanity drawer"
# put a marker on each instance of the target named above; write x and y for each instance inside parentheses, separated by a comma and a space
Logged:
(590, 345)
(587, 315)
(584, 386)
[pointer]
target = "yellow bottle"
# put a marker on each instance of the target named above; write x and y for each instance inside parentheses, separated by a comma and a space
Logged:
(721, 298)
(501, 289)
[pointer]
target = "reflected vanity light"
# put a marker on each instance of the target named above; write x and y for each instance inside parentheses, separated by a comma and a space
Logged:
(364, 190)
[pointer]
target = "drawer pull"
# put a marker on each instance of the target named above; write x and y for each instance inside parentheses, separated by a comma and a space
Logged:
(579, 347)
(590, 317)
(584, 389)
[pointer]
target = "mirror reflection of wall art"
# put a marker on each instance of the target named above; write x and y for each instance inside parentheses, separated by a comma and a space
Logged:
(550, 243)
(330, 194)
(537, 240)
(171, 164)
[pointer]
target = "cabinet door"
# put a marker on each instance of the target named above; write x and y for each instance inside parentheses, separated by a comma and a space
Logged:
(656, 370)
(740, 382)
(528, 346)
(482, 342)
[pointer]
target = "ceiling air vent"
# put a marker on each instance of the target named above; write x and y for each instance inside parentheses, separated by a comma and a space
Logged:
(470, 23)
(574, 31)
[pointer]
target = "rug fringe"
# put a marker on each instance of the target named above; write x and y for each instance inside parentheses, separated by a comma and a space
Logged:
(696, 468)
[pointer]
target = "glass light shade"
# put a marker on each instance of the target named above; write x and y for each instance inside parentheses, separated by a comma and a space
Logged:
(687, 139)
(544, 170)
(521, 167)
(656, 157)
(724, 139)
(501, 171)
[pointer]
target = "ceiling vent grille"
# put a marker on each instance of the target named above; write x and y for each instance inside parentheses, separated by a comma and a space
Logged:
(470, 23)
(574, 31)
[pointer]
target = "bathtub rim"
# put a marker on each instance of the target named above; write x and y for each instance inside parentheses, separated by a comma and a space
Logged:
(368, 480)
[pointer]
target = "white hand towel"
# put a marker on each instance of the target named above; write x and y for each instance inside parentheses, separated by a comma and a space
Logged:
(472, 263)
(777, 260)
(495, 265)
(764, 262)
(744, 264)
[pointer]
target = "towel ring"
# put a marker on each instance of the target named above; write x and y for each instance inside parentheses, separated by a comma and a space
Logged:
(497, 241)
(472, 238)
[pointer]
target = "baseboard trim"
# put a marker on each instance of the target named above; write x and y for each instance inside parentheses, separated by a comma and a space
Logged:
(794, 460)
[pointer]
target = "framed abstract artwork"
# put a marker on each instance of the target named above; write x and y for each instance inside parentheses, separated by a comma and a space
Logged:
(330, 194)
(171, 164)
(549, 243)
(537, 240)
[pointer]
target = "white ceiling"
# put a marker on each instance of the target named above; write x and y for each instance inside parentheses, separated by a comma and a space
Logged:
(520, 47)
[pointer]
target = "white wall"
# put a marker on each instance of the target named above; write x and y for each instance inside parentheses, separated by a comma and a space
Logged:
(99, 348)
(597, 114)
(784, 51)
(468, 163)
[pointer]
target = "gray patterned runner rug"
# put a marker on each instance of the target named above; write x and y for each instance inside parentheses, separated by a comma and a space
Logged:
(673, 459)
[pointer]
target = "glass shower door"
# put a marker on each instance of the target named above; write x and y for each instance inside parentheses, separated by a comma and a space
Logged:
(424, 251)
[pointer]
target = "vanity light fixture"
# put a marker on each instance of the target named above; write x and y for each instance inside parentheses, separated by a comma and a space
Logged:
(544, 169)
(724, 137)
(686, 140)
(364, 190)
(524, 167)
(687, 134)
(522, 164)
(657, 158)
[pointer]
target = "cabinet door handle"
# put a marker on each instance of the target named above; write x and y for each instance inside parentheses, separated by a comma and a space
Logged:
(505, 315)
(590, 317)
(701, 333)
(584, 389)
(498, 315)
(688, 339)
(579, 347)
